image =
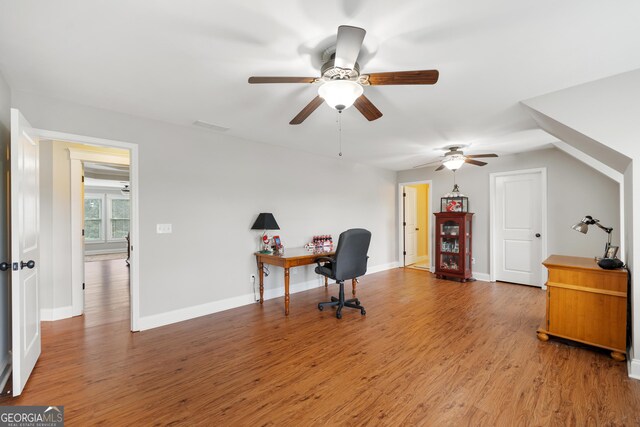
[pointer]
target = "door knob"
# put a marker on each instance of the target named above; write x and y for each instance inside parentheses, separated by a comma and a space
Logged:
(29, 264)
(537, 234)
(4, 266)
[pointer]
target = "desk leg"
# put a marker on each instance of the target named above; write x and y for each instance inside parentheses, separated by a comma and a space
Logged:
(286, 291)
(326, 281)
(261, 274)
(353, 285)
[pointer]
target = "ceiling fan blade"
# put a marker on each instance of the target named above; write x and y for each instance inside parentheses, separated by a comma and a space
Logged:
(439, 168)
(474, 162)
(424, 77)
(306, 111)
(256, 80)
(348, 44)
(479, 156)
(367, 108)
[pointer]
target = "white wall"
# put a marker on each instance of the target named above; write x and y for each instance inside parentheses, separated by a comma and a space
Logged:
(47, 209)
(5, 321)
(574, 190)
(210, 187)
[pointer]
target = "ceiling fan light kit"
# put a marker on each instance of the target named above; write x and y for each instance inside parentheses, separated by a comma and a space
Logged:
(340, 94)
(454, 162)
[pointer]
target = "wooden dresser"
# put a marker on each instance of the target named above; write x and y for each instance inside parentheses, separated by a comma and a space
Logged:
(586, 303)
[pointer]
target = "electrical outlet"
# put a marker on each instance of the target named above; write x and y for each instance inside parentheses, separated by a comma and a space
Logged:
(252, 278)
(163, 228)
(473, 260)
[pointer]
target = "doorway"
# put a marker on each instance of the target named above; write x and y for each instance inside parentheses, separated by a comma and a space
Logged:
(106, 210)
(415, 225)
(518, 207)
(83, 150)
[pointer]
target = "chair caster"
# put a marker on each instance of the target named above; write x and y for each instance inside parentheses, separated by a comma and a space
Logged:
(320, 307)
(339, 315)
(363, 312)
(357, 301)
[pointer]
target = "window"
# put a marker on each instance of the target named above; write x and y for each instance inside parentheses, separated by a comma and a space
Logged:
(106, 218)
(118, 217)
(93, 209)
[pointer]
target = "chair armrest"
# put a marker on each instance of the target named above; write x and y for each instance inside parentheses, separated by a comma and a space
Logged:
(324, 259)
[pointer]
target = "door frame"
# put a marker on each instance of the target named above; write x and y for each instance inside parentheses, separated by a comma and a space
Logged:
(134, 224)
(401, 220)
(492, 217)
(77, 157)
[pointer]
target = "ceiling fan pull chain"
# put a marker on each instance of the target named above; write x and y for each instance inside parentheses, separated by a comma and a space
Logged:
(339, 121)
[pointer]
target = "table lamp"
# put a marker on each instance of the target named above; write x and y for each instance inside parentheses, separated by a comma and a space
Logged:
(265, 221)
(609, 260)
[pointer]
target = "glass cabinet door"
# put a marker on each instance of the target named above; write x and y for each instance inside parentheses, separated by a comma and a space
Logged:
(449, 262)
(450, 228)
(450, 245)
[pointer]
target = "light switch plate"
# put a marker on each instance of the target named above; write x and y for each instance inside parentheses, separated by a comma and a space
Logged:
(163, 228)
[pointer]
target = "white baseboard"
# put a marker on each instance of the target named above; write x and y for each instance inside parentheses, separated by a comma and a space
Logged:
(5, 370)
(51, 314)
(383, 267)
(482, 276)
(105, 251)
(187, 313)
(294, 288)
(633, 366)
(182, 314)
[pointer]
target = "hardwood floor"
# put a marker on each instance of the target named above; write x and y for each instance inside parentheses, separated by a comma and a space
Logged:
(107, 293)
(428, 352)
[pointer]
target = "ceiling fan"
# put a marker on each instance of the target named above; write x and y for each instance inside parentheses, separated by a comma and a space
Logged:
(454, 158)
(341, 84)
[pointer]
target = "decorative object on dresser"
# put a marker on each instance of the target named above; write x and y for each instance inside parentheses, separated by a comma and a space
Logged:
(265, 221)
(453, 245)
(586, 303)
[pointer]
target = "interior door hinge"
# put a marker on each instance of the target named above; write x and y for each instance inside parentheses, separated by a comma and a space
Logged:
(404, 224)
(404, 252)
(82, 178)
(83, 231)
(404, 194)
(83, 286)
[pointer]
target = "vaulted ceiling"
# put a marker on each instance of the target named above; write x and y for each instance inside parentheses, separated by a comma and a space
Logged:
(182, 61)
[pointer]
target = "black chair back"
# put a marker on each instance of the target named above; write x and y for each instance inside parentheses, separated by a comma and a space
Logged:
(351, 254)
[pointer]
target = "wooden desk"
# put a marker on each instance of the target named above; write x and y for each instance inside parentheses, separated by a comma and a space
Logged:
(292, 257)
(586, 303)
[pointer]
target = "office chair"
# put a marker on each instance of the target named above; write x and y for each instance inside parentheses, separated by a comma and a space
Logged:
(349, 262)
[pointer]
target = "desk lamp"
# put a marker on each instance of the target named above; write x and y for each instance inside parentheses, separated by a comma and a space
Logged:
(265, 221)
(606, 260)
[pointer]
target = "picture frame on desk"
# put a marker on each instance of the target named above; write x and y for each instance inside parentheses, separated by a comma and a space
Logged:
(276, 241)
(612, 252)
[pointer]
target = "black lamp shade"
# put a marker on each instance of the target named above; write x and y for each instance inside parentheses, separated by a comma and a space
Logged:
(265, 221)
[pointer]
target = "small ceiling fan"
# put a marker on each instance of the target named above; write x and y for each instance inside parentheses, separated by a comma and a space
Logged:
(454, 158)
(341, 84)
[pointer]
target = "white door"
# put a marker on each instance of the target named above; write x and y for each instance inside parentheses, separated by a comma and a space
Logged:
(411, 225)
(25, 250)
(517, 228)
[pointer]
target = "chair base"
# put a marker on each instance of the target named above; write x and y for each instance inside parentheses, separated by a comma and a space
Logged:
(340, 302)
